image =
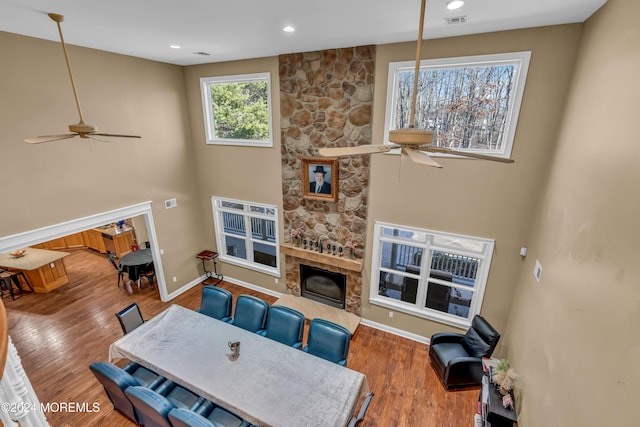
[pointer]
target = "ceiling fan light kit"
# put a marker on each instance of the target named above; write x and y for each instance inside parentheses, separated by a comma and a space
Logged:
(413, 142)
(80, 129)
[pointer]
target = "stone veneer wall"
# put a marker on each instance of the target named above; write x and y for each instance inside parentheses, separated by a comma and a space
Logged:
(326, 99)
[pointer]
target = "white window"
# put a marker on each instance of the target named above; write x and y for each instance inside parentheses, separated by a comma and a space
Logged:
(237, 109)
(431, 274)
(247, 234)
(470, 103)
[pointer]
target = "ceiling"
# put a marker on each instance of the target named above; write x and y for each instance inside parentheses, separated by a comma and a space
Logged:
(241, 29)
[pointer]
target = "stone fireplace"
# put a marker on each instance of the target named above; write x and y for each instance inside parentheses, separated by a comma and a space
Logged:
(326, 100)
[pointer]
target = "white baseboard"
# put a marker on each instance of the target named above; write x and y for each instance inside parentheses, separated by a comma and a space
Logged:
(395, 331)
(253, 287)
(185, 288)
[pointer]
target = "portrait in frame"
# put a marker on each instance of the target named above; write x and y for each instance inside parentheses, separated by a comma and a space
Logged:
(320, 178)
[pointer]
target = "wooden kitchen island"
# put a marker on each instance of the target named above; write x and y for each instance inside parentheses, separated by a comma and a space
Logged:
(44, 269)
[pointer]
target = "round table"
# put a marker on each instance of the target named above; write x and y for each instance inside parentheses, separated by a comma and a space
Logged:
(135, 263)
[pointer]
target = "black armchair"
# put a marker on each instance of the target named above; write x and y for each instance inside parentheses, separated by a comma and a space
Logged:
(457, 358)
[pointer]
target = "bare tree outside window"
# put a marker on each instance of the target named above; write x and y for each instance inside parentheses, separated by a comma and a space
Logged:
(470, 103)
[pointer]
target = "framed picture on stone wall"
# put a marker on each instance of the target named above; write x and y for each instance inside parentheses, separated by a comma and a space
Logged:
(320, 178)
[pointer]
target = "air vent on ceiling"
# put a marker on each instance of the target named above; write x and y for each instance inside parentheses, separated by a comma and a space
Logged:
(456, 20)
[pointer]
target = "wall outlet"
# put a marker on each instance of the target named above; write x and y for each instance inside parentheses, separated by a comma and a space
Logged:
(391, 314)
(175, 279)
(161, 251)
(276, 280)
(537, 271)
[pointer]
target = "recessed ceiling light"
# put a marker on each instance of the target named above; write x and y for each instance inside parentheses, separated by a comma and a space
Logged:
(174, 46)
(288, 29)
(455, 4)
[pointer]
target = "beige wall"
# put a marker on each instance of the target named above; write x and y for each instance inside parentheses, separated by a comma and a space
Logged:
(50, 183)
(244, 173)
(574, 335)
(476, 198)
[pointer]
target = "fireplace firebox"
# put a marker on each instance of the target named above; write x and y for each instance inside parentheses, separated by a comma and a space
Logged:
(324, 286)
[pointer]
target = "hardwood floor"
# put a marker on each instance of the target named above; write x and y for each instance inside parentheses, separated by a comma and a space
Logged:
(60, 333)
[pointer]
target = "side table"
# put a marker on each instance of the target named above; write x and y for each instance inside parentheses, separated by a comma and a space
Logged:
(208, 255)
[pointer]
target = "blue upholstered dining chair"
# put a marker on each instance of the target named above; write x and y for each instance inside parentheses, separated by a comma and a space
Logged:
(152, 409)
(179, 396)
(115, 381)
(220, 416)
(329, 341)
(180, 417)
(251, 314)
(285, 325)
(216, 302)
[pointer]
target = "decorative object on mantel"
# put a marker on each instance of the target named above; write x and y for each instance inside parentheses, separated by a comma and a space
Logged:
(352, 252)
(412, 142)
(320, 179)
(297, 238)
(322, 258)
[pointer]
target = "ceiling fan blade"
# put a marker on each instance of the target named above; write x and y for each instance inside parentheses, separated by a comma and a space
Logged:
(115, 135)
(354, 151)
(48, 138)
(442, 150)
(420, 157)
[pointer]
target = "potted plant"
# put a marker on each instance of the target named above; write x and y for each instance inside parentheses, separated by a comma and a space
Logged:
(505, 377)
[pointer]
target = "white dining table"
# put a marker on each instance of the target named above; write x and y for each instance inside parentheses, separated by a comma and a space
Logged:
(270, 384)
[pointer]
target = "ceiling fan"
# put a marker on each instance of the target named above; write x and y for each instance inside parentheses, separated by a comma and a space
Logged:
(412, 142)
(80, 129)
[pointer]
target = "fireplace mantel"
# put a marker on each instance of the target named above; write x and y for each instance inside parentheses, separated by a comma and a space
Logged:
(323, 258)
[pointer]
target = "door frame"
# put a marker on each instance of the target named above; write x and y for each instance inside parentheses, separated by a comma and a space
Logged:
(39, 235)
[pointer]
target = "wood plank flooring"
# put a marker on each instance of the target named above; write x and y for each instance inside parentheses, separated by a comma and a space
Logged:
(60, 333)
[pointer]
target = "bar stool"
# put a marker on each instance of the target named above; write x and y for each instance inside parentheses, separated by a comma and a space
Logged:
(10, 278)
(6, 281)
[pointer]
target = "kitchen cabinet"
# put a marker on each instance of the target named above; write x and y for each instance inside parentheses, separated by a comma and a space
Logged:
(123, 243)
(75, 240)
(93, 240)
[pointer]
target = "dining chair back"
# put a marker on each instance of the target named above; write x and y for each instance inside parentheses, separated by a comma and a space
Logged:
(179, 396)
(220, 416)
(356, 421)
(180, 417)
(112, 260)
(328, 340)
(216, 302)
(115, 381)
(130, 318)
(250, 314)
(285, 325)
(151, 407)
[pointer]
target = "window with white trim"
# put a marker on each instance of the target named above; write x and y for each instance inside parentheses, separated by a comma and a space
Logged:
(432, 274)
(247, 234)
(470, 103)
(237, 109)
